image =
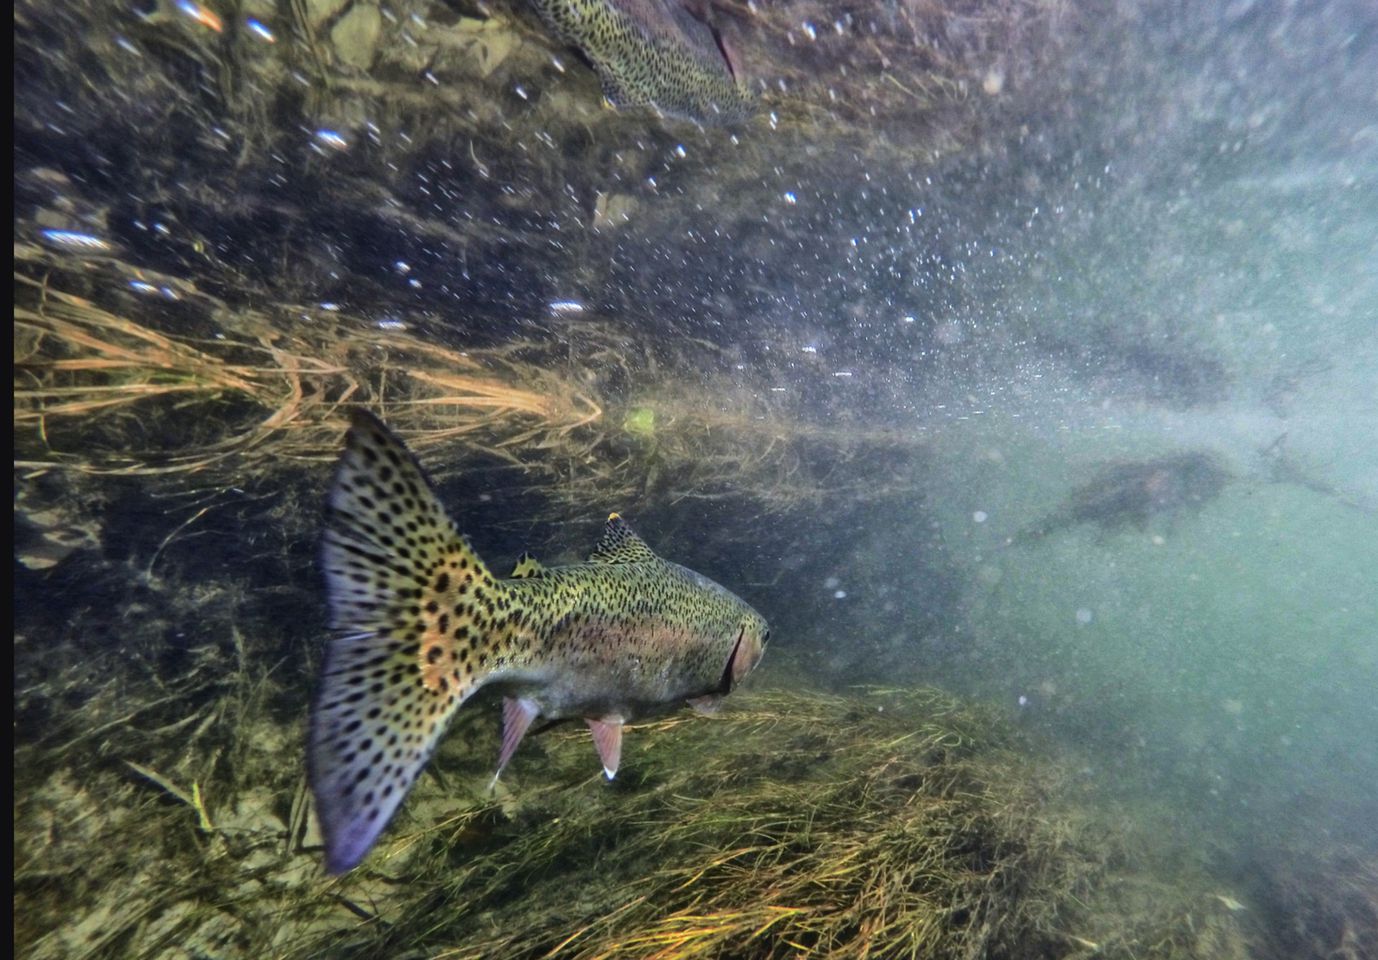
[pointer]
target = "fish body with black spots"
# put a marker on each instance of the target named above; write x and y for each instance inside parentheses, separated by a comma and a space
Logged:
(422, 624)
(654, 53)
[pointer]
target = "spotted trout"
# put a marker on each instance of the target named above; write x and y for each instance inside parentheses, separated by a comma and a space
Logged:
(653, 53)
(422, 624)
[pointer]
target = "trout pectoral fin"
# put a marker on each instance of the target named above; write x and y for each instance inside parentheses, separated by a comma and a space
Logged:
(516, 719)
(607, 737)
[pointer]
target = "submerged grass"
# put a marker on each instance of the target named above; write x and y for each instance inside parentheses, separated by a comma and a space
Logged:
(129, 388)
(263, 387)
(898, 823)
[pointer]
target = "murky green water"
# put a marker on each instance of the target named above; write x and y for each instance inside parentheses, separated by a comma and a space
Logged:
(1016, 361)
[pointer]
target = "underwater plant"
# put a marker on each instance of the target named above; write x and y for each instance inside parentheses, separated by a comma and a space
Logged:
(885, 823)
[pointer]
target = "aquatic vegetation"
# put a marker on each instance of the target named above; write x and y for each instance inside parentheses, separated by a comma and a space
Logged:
(1134, 493)
(106, 388)
(1331, 901)
(1281, 466)
(462, 88)
(640, 422)
(268, 389)
(887, 823)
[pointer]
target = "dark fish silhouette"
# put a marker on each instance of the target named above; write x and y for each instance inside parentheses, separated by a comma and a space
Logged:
(1135, 493)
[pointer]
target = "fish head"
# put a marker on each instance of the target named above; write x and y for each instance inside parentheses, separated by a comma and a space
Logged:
(750, 647)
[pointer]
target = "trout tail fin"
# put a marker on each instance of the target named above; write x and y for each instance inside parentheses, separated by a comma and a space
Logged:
(414, 608)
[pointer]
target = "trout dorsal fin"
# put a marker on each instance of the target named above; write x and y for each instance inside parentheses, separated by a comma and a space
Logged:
(620, 545)
(527, 567)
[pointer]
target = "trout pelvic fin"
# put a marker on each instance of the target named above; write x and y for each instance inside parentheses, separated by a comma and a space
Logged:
(517, 715)
(607, 738)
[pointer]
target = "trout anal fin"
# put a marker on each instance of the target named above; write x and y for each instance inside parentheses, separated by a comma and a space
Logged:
(607, 737)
